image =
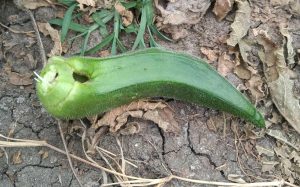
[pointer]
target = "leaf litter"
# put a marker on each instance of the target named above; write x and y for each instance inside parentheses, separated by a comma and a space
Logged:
(157, 112)
(241, 23)
(222, 8)
(280, 80)
(46, 29)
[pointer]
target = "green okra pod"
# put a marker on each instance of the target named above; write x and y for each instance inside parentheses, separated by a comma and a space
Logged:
(77, 87)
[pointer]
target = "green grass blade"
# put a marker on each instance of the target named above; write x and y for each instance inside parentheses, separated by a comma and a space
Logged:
(121, 46)
(116, 33)
(106, 41)
(140, 35)
(148, 6)
(86, 39)
(98, 20)
(151, 40)
(159, 34)
(73, 26)
(103, 31)
(67, 2)
(132, 28)
(108, 17)
(66, 22)
(129, 5)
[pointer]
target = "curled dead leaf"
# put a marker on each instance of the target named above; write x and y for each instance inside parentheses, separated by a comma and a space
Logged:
(268, 166)
(289, 46)
(256, 87)
(20, 79)
(210, 54)
(241, 69)
(264, 151)
(222, 7)
(280, 80)
(157, 112)
(163, 118)
(130, 128)
(83, 3)
(46, 29)
(127, 16)
(241, 23)
(17, 158)
(44, 154)
(182, 11)
(225, 64)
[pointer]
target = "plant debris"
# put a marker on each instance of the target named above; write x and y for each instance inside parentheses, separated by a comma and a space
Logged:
(17, 158)
(33, 4)
(225, 64)
(46, 29)
(157, 112)
(241, 23)
(127, 16)
(222, 7)
(280, 80)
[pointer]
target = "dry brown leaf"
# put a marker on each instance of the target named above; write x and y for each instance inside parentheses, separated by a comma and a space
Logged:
(269, 166)
(295, 7)
(280, 2)
(20, 79)
(296, 157)
(245, 48)
(33, 4)
(130, 128)
(286, 166)
(241, 23)
(122, 119)
(281, 136)
(44, 154)
(177, 32)
(222, 7)
(225, 64)
(46, 29)
(280, 81)
(183, 11)
(127, 15)
(164, 118)
(210, 54)
(17, 158)
(154, 111)
(261, 150)
(276, 118)
(82, 3)
(289, 46)
(256, 87)
(281, 152)
(241, 69)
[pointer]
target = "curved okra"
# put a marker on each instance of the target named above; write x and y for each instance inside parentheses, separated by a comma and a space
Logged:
(79, 86)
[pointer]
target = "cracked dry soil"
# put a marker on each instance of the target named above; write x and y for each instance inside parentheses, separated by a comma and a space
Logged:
(196, 152)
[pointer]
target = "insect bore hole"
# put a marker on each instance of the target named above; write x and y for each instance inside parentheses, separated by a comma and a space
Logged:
(80, 78)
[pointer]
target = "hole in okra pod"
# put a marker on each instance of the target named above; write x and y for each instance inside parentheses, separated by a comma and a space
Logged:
(80, 78)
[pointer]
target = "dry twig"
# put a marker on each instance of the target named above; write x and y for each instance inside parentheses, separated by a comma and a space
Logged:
(67, 151)
(15, 31)
(38, 36)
